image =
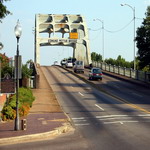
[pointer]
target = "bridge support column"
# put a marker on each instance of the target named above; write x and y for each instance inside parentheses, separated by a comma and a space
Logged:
(37, 53)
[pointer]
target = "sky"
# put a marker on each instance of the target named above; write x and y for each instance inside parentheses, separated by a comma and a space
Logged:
(118, 36)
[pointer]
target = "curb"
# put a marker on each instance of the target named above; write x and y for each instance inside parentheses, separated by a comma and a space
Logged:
(66, 128)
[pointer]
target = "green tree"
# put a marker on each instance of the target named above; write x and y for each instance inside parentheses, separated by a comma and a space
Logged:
(26, 71)
(3, 10)
(5, 68)
(119, 62)
(96, 57)
(143, 42)
(110, 61)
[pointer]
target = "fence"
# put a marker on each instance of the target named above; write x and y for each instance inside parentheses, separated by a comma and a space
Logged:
(128, 72)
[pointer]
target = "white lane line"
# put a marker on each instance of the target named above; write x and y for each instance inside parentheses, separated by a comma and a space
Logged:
(116, 86)
(117, 118)
(99, 107)
(136, 94)
(78, 118)
(110, 116)
(88, 88)
(121, 122)
(83, 124)
(80, 93)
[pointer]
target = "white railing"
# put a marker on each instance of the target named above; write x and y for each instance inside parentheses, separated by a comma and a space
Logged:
(128, 72)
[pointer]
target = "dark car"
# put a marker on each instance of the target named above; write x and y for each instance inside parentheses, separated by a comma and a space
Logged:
(63, 62)
(95, 73)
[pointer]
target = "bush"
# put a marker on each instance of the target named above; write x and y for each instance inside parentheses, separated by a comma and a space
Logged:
(8, 113)
(25, 98)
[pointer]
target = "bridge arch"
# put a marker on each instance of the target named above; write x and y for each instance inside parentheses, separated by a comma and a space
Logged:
(62, 30)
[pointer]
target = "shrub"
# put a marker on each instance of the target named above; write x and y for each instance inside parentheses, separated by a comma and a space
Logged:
(8, 113)
(25, 98)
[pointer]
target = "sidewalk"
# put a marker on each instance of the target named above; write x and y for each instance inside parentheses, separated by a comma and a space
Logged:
(46, 118)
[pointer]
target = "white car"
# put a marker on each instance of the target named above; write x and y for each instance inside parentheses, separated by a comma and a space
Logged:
(69, 64)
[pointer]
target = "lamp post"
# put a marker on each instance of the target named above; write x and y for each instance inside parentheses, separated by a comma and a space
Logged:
(133, 9)
(18, 31)
(102, 37)
(1, 46)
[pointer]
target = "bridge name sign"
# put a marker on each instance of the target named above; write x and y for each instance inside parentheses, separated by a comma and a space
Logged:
(62, 40)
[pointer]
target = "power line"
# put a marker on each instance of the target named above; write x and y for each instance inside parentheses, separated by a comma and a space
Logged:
(115, 30)
(119, 29)
(95, 29)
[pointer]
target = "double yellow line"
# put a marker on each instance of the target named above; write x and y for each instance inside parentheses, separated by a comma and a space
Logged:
(139, 108)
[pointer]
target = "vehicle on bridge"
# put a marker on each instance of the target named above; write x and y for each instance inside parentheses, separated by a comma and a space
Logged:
(95, 73)
(79, 66)
(69, 64)
(63, 62)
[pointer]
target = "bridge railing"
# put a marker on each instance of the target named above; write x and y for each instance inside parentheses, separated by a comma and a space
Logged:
(35, 75)
(128, 72)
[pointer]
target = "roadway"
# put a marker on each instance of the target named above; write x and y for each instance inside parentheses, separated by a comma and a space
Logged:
(116, 119)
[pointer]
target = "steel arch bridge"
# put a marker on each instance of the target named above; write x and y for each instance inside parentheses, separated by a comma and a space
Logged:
(72, 31)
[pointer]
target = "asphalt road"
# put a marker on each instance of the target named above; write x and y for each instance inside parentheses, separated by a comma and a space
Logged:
(102, 122)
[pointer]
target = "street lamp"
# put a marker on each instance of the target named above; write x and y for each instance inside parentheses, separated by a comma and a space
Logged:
(18, 31)
(1, 46)
(102, 36)
(133, 9)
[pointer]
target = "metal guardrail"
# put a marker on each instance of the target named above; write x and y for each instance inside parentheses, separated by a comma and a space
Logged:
(128, 72)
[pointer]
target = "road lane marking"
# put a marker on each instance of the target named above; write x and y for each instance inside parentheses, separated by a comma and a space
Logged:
(138, 108)
(115, 118)
(136, 94)
(111, 117)
(88, 88)
(116, 86)
(99, 107)
(83, 124)
(78, 118)
(121, 122)
(80, 93)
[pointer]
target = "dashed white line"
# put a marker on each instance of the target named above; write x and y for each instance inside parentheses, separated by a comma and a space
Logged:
(80, 93)
(136, 94)
(116, 86)
(99, 107)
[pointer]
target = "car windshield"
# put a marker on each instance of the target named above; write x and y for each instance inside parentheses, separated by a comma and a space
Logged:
(97, 71)
(79, 62)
